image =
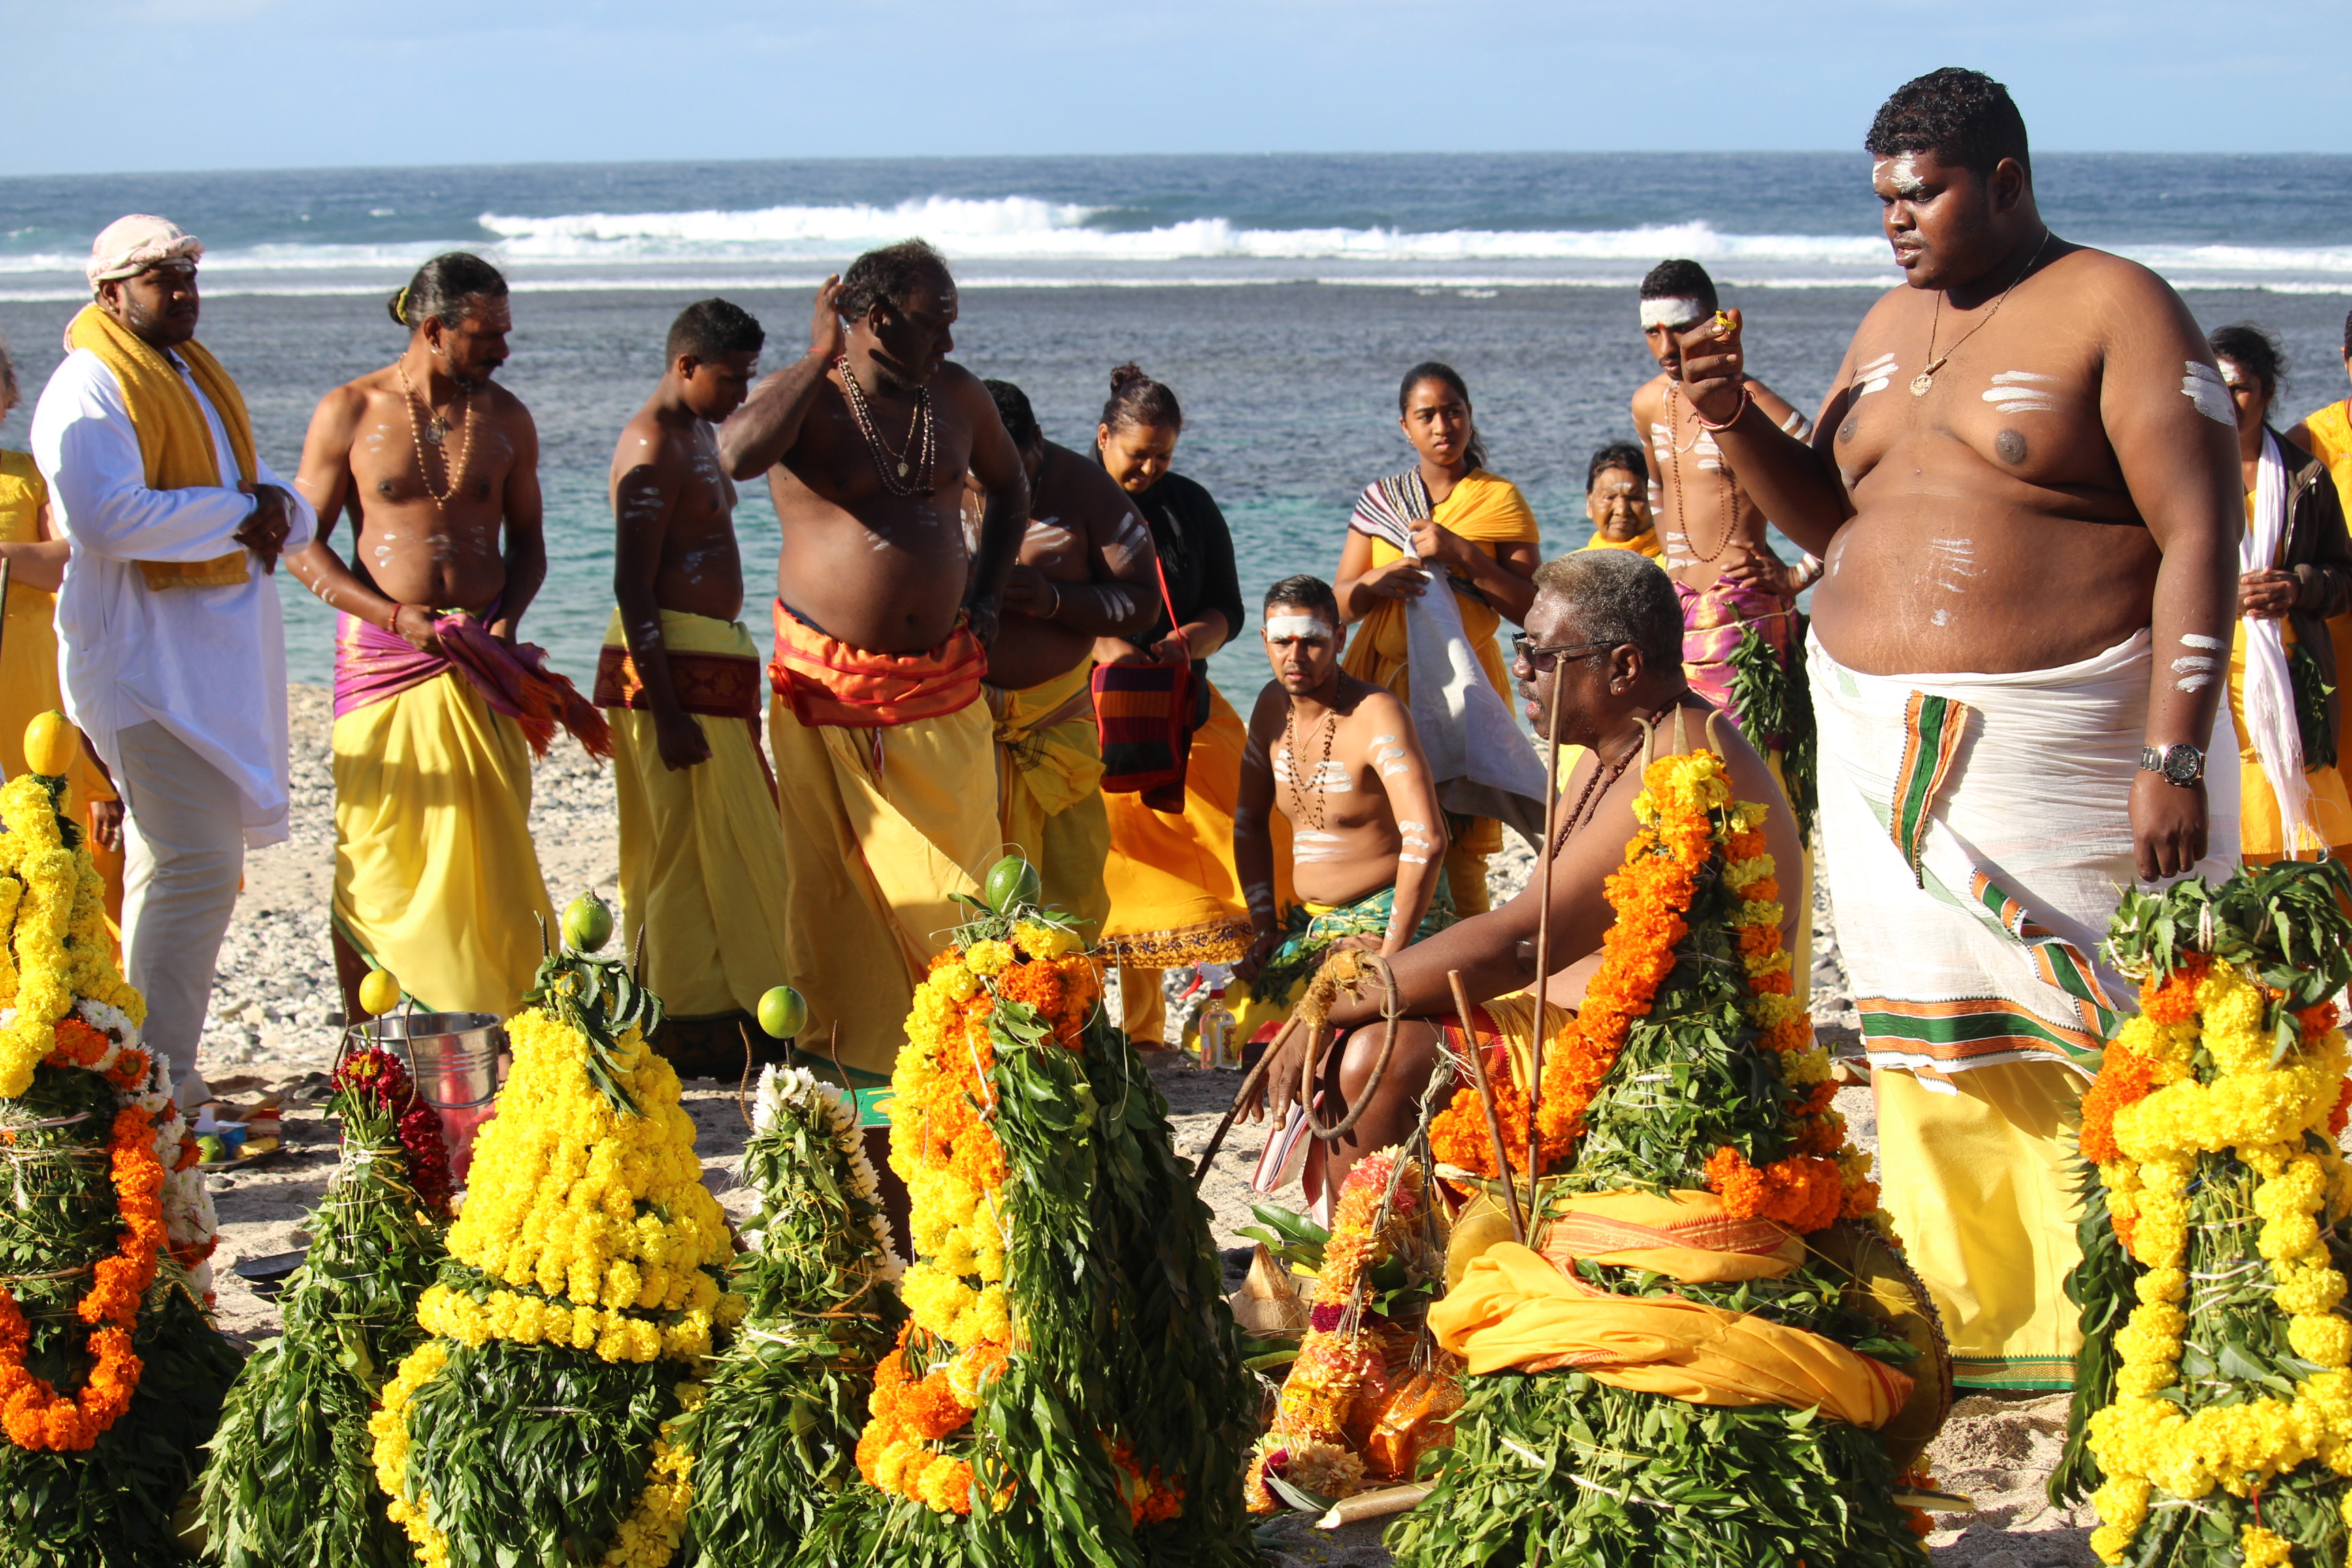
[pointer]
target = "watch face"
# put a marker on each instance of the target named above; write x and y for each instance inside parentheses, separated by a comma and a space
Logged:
(2180, 764)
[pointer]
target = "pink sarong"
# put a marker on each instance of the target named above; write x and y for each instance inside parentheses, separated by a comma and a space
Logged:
(373, 664)
(1714, 619)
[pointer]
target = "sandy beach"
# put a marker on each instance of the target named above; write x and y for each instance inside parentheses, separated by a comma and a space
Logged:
(275, 1017)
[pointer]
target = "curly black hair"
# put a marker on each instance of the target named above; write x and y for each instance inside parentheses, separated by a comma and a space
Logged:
(1961, 116)
(890, 275)
(1679, 279)
(2251, 348)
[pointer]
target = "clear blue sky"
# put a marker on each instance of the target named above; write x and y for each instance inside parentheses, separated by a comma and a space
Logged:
(134, 85)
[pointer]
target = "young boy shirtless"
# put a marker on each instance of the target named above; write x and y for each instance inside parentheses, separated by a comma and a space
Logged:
(702, 849)
(1338, 758)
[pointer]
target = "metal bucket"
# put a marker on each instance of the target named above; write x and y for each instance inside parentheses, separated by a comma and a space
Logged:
(453, 1061)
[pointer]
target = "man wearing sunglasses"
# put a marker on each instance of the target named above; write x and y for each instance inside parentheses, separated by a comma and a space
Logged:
(1603, 641)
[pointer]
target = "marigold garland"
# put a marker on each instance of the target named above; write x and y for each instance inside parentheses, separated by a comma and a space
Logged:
(36, 1416)
(2149, 1122)
(942, 1147)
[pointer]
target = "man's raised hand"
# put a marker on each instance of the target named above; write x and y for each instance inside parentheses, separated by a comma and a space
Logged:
(1714, 370)
(827, 337)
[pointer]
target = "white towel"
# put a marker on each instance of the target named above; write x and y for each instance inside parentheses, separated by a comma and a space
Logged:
(1476, 751)
(2269, 690)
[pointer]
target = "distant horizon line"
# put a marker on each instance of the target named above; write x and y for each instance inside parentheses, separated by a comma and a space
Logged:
(972, 158)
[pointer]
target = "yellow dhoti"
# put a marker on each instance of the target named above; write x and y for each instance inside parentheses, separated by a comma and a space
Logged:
(1050, 802)
(29, 673)
(878, 851)
(436, 878)
(703, 875)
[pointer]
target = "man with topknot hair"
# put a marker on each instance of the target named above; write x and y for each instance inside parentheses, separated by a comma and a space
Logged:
(884, 614)
(2024, 484)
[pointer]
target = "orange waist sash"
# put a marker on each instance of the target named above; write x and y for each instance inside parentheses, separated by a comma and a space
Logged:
(827, 681)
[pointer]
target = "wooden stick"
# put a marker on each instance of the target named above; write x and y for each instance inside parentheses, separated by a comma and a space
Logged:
(1543, 938)
(1487, 1102)
(1241, 1098)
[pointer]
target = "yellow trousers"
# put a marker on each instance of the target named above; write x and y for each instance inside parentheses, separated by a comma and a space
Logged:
(1050, 807)
(1977, 1185)
(876, 848)
(702, 851)
(436, 877)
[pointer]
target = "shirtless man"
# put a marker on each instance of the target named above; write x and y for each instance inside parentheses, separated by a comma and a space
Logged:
(1603, 640)
(702, 853)
(1085, 570)
(882, 621)
(1731, 585)
(2026, 468)
(436, 877)
(1338, 758)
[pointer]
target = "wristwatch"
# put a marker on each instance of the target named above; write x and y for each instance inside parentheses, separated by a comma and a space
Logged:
(2182, 764)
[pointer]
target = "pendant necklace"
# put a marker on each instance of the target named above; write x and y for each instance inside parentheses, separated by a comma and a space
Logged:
(436, 429)
(1329, 725)
(1926, 378)
(916, 456)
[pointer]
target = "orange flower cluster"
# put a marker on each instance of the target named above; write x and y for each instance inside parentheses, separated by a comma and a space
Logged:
(2127, 1078)
(1650, 894)
(81, 1046)
(1804, 1192)
(909, 1414)
(1150, 1499)
(34, 1414)
(2173, 1000)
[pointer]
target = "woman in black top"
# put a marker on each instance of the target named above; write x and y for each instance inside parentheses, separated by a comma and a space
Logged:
(1175, 900)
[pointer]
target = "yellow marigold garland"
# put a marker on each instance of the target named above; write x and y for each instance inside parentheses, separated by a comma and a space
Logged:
(2260, 1112)
(942, 1147)
(57, 948)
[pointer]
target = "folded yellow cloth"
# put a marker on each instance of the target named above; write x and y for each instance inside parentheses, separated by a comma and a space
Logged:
(1688, 1235)
(1515, 1309)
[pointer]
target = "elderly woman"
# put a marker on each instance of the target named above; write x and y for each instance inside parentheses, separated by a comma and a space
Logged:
(2295, 566)
(28, 646)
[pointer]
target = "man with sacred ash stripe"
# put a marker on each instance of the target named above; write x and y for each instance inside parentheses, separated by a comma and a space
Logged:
(885, 757)
(2024, 483)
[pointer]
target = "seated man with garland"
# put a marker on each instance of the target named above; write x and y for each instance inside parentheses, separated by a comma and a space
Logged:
(1603, 640)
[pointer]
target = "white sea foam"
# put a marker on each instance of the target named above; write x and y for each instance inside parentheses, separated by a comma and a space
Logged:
(1037, 243)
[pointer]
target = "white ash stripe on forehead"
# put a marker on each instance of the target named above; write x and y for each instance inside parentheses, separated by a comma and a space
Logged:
(1299, 628)
(1678, 313)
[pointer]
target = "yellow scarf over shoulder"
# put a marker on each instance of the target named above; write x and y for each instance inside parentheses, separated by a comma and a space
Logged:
(1484, 510)
(173, 441)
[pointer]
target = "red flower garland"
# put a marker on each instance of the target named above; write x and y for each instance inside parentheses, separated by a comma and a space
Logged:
(377, 1071)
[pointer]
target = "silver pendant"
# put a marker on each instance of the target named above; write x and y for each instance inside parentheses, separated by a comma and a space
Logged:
(902, 470)
(1921, 383)
(437, 432)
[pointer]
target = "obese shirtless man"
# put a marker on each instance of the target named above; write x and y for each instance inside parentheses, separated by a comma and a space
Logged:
(438, 709)
(885, 756)
(1085, 570)
(2024, 483)
(1732, 586)
(1338, 757)
(702, 850)
(1603, 640)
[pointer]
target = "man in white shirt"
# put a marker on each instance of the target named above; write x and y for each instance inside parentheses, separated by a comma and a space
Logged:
(169, 643)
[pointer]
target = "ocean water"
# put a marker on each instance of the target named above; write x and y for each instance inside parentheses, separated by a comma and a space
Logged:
(1280, 296)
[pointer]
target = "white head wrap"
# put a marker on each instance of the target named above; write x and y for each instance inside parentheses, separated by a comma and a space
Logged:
(130, 246)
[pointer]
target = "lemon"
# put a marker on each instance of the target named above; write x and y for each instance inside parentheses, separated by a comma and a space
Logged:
(587, 924)
(782, 1013)
(1011, 881)
(379, 993)
(50, 743)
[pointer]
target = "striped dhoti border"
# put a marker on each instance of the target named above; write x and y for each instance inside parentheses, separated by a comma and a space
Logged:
(1976, 839)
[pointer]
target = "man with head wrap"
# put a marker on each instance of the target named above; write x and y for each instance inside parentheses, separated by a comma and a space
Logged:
(175, 659)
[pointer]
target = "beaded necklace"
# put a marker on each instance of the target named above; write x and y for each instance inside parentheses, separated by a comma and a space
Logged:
(885, 459)
(452, 472)
(1329, 725)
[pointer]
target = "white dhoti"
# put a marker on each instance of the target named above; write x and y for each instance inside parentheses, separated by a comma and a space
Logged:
(1976, 839)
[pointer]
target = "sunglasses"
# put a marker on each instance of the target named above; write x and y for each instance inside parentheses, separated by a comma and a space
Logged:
(1525, 647)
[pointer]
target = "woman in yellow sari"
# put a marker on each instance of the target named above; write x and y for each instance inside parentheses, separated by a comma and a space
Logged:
(1445, 514)
(29, 648)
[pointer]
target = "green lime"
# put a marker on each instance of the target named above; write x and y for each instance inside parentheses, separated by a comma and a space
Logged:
(1011, 881)
(782, 1013)
(587, 924)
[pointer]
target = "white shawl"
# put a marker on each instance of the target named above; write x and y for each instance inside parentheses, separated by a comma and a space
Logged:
(2270, 715)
